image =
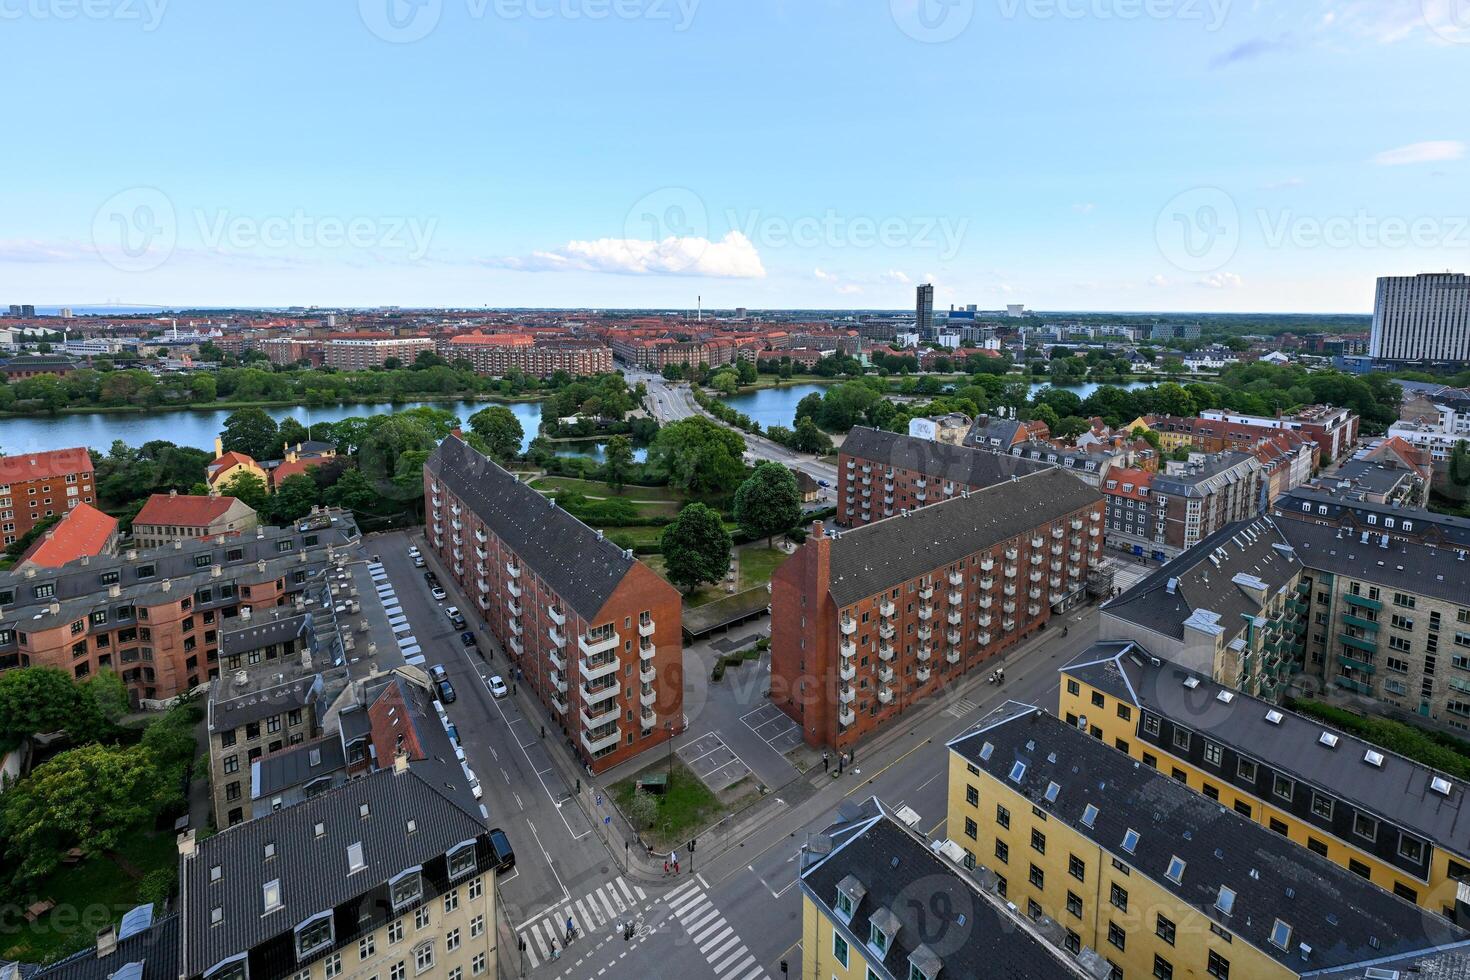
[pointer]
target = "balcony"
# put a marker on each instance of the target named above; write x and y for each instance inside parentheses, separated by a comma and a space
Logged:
(591, 645)
(1074, 556)
(558, 660)
(515, 627)
(987, 564)
(559, 702)
(956, 579)
(1009, 590)
(559, 681)
(926, 592)
(924, 653)
(921, 484)
(886, 609)
(597, 695)
(647, 675)
(1009, 625)
(956, 598)
(1056, 597)
(926, 613)
(1056, 566)
(482, 585)
(923, 674)
(885, 674)
(1076, 524)
(848, 649)
(1008, 607)
(556, 615)
(846, 694)
(1074, 570)
(1095, 516)
(483, 602)
(513, 569)
(557, 639)
(1012, 554)
(515, 590)
(1055, 582)
(1093, 532)
(1057, 549)
(1035, 576)
(1360, 622)
(481, 537)
(648, 696)
(984, 639)
(1010, 571)
(885, 652)
(648, 719)
(885, 695)
(953, 637)
(926, 633)
(1033, 610)
(513, 605)
(1037, 558)
(985, 619)
(1358, 642)
(849, 626)
(886, 631)
(986, 602)
(645, 627)
(952, 655)
(646, 650)
(597, 720)
(481, 554)
(1355, 686)
(955, 617)
(846, 717)
(592, 670)
(987, 583)
(1058, 532)
(1033, 593)
(458, 526)
(600, 743)
(1038, 542)
(847, 671)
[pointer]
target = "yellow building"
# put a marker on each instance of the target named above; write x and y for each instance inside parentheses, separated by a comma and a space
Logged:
(225, 466)
(879, 904)
(1158, 879)
(1386, 818)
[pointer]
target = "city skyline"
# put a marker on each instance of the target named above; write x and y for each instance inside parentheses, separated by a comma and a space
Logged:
(1203, 172)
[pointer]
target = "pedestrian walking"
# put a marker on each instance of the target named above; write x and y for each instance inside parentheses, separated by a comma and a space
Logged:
(666, 868)
(826, 763)
(841, 762)
(571, 928)
(555, 950)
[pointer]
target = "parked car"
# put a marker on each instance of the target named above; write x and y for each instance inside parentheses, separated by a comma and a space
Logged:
(451, 611)
(413, 551)
(505, 855)
(468, 639)
(418, 561)
(458, 622)
(497, 687)
(438, 673)
(431, 578)
(439, 594)
(823, 484)
(446, 692)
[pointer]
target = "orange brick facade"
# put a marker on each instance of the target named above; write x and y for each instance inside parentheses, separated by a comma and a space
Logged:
(40, 485)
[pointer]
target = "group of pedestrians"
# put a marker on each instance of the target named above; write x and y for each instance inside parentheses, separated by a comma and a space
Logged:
(844, 760)
(671, 863)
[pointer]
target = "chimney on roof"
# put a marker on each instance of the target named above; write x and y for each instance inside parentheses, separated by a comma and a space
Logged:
(173, 493)
(187, 847)
(219, 447)
(106, 940)
(400, 762)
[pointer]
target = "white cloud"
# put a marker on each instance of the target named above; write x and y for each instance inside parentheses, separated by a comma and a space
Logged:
(823, 275)
(733, 257)
(30, 250)
(1087, 208)
(1222, 280)
(1431, 151)
(894, 275)
(1160, 281)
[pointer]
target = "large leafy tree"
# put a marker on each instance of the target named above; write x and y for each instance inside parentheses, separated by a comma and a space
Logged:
(501, 431)
(810, 439)
(353, 491)
(294, 498)
(249, 489)
(252, 432)
(696, 547)
(35, 700)
(617, 464)
(699, 456)
(768, 503)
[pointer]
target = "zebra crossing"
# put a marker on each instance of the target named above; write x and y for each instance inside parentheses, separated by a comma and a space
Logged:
(960, 708)
(593, 911)
(716, 940)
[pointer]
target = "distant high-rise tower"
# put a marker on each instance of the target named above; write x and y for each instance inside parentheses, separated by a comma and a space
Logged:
(924, 312)
(1422, 318)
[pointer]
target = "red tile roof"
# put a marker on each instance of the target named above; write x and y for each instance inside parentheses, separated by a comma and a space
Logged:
(84, 531)
(228, 460)
(44, 466)
(1140, 480)
(183, 510)
(285, 470)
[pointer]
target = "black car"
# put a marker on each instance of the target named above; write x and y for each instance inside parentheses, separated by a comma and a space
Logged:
(431, 578)
(505, 855)
(458, 622)
(468, 639)
(446, 692)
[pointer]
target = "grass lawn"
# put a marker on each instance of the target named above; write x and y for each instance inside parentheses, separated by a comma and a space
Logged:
(757, 564)
(685, 808)
(88, 896)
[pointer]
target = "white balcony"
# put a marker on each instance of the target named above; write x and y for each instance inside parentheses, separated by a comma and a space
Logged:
(987, 583)
(481, 554)
(885, 695)
(923, 674)
(482, 585)
(557, 639)
(984, 639)
(985, 619)
(1010, 571)
(1010, 590)
(1076, 524)
(956, 579)
(926, 633)
(592, 670)
(458, 525)
(848, 650)
(598, 695)
(1055, 582)
(1008, 607)
(1095, 516)
(599, 743)
(1058, 531)
(645, 627)
(648, 719)
(926, 613)
(1094, 532)
(847, 671)
(558, 660)
(952, 655)
(513, 569)
(1038, 542)
(481, 537)
(1012, 554)
(1035, 576)
(846, 716)
(1033, 593)
(885, 652)
(886, 631)
(1056, 565)
(458, 571)
(1058, 548)
(1009, 626)
(483, 602)
(1074, 570)
(1057, 597)
(513, 605)
(516, 645)
(515, 627)
(1037, 558)
(646, 651)
(955, 617)
(605, 717)
(647, 697)
(849, 626)
(846, 694)
(953, 637)
(924, 653)
(885, 609)
(515, 590)
(921, 497)
(1074, 556)
(926, 592)
(885, 674)
(593, 645)
(986, 602)
(648, 674)
(1033, 610)
(556, 615)
(986, 564)
(559, 681)
(559, 702)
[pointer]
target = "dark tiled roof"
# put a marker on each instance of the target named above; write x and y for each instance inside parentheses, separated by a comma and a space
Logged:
(226, 712)
(311, 870)
(1098, 666)
(296, 765)
(563, 551)
(1343, 918)
(875, 557)
(938, 460)
(1398, 790)
(156, 947)
(1204, 576)
(1407, 566)
(262, 630)
(898, 872)
(1452, 530)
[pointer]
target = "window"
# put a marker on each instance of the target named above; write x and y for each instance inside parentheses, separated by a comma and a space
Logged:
(1243, 808)
(366, 947)
(1151, 724)
(451, 901)
(1038, 877)
(1181, 740)
(313, 935)
(397, 971)
(1073, 688)
(477, 926)
(1218, 966)
(1163, 970)
(972, 829)
(451, 941)
(1002, 852)
(1359, 868)
(1117, 936)
(1246, 770)
(1213, 753)
(476, 889)
(462, 861)
(839, 949)
(395, 931)
(333, 965)
(407, 887)
(1411, 849)
(1076, 867)
(1164, 929)
(1098, 700)
(1405, 892)
(423, 957)
(1322, 806)
(1038, 842)
(1003, 816)
(1316, 846)
(1074, 904)
(421, 917)
(972, 796)
(1119, 898)
(1365, 826)
(1281, 786)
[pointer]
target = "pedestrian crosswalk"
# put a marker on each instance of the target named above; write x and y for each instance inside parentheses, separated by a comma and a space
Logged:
(716, 940)
(960, 708)
(600, 909)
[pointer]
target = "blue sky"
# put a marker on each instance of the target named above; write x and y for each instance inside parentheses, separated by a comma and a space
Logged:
(1231, 155)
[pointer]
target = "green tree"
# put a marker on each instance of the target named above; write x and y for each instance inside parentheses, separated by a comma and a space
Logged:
(501, 430)
(696, 547)
(768, 503)
(290, 432)
(699, 456)
(34, 700)
(100, 701)
(352, 491)
(23, 543)
(293, 499)
(252, 432)
(726, 383)
(747, 372)
(810, 439)
(249, 489)
(89, 798)
(617, 463)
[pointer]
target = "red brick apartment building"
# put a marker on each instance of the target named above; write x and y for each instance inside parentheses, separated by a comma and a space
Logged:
(155, 616)
(868, 622)
(499, 354)
(597, 634)
(358, 353)
(1334, 430)
(40, 485)
(882, 474)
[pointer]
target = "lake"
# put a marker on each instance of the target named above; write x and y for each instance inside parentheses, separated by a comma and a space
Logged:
(199, 428)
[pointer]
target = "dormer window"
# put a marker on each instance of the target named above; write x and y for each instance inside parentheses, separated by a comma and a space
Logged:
(406, 888)
(234, 968)
(462, 860)
(883, 925)
(924, 964)
(314, 935)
